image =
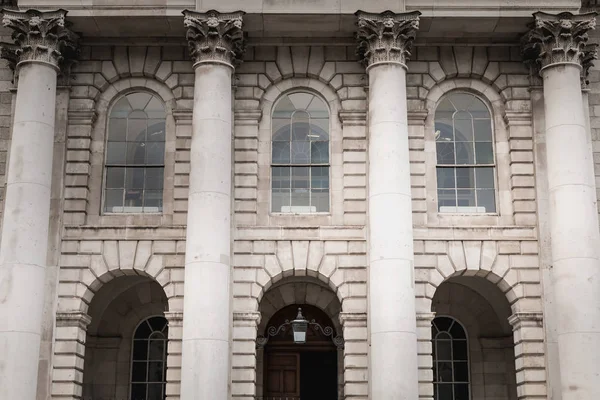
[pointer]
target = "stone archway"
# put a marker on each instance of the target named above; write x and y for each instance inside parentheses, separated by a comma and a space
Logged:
(285, 369)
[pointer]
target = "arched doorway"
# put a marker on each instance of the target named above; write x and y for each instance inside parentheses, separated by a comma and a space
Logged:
(300, 371)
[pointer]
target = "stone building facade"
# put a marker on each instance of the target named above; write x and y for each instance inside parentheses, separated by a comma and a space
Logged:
(417, 176)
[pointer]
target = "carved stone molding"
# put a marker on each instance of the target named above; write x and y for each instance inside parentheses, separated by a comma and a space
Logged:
(526, 319)
(590, 54)
(174, 318)
(557, 38)
(386, 37)
(215, 37)
(355, 319)
(38, 36)
(74, 318)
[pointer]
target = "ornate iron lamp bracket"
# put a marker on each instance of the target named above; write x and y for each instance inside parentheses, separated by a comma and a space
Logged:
(328, 331)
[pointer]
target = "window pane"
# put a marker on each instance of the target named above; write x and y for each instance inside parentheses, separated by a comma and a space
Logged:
(463, 127)
(461, 372)
(486, 198)
(320, 177)
(140, 349)
(155, 371)
(301, 100)
(155, 391)
(483, 130)
(459, 349)
(463, 101)
(445, 178)
(113, 198)
(300, 128)
(155, 153)
(485, 177)
(138, 392)
(133, 198)
(136, 129)
(136, 153)
(466, 197)
(443, 130)
(444, 392)
(154, 178)
(115, 153)
(300, 197)
(319, 129)
(443, 350)
(153, 200)
(117, 129)
(281, 152)
(134, 178)
(281, 129)
(281, 178)
(139, 100)
(457, 331)
(320, 199)
(447, 197)
(464, 153)
(319, 152)
(300, 178)
(115, 177)
(143, 331)
(280, 198)
(157, 348)
(156, 130)
(445, 152)
(138, 372)
(465, 178)
(461, 391)
(443, 323)
(444, 370)
(300, 152)
(485, 152)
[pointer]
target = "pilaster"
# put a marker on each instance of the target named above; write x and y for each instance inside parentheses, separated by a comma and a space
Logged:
(245, 355)
(355, 357)
(528, 332)
(175, 323)
(424, 321)
(69, 353)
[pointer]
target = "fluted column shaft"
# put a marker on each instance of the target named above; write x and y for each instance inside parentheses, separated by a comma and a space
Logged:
(385, 41)
(214, 44)
(40, 43)
(558, 42)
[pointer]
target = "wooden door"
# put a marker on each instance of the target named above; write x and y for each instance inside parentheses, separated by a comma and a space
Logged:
(283, 376)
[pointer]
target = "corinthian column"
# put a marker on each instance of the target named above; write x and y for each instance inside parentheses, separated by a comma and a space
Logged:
(384, 43)
(41, 44)
(215, 44)
(557, 43)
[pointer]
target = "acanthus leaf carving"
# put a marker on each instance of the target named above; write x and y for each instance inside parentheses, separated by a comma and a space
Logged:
(39, 37)
(590, 54)
(386, 37)
(215, 37)
(558, 38)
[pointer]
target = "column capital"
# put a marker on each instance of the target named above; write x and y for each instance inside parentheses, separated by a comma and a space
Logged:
(214, 37)
(590, 54)
(39, 36)
(557, 38)
(386, 37)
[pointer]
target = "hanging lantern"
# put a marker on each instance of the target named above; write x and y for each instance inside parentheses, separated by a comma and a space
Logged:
(299, 328)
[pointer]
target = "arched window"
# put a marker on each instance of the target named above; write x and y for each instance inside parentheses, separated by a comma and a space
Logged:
(149, 360)
(450, 360)
(135, 151)
(465, 155)
(300, 154)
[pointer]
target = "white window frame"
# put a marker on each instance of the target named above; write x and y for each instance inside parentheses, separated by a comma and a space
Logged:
(131, 360)
(433, 344)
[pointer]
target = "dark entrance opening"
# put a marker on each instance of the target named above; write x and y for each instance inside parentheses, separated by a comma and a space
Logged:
(307, 371)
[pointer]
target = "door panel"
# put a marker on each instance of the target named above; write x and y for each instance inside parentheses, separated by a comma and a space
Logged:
(283, 375)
